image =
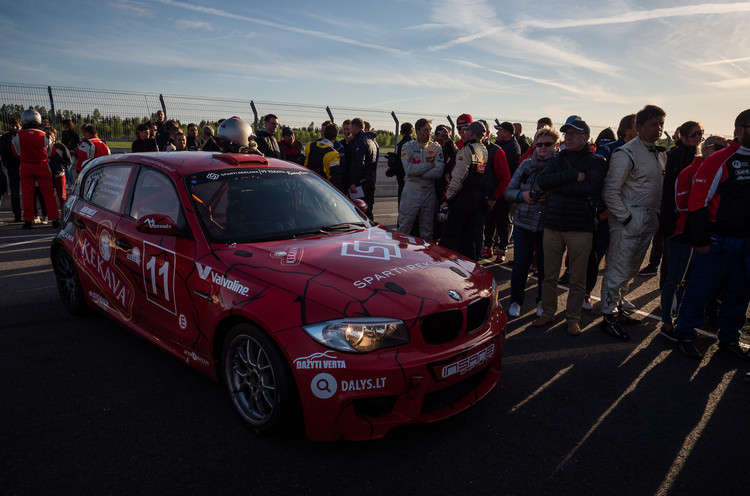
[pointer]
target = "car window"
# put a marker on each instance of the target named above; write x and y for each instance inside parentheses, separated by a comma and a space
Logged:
(154, 194)
(259, 204)
(106, 186)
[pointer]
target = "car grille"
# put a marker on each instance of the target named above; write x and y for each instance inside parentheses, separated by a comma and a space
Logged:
(477, 314)
(444, 327)
(445, 397)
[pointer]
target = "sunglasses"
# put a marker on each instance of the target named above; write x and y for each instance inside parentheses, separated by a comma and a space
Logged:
(542, 144)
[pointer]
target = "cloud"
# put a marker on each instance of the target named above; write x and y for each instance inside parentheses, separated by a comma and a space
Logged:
(133, 8)
(639, 15)
(731, 83)
(184, 24)
(275, 25)
(725, 61)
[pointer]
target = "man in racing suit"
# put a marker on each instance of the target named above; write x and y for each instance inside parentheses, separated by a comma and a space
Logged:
(632, 191)
(463, 199)
(718, 227)
(32, 146)
(423, 165)
(91, 147)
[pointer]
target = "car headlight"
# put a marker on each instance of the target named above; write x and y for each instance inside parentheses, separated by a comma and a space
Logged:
(359, 335)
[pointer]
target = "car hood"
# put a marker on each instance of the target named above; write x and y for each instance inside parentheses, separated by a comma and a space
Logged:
(371, 272)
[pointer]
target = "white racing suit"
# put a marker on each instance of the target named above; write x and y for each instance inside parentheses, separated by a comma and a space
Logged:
(632, 191)
(423, 165)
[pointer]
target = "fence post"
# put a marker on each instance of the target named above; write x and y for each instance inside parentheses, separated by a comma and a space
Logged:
(163, 106)
(255, 115)
(453, 126)
(330, 114)
(393, 114)
(52, 107)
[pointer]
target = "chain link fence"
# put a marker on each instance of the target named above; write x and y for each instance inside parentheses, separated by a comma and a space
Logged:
(116, 114)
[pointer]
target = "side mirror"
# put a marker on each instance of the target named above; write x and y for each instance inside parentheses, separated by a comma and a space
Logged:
(360, 204)
(159, 224)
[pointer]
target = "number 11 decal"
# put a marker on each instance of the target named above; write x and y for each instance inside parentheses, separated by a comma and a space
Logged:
(158, 276)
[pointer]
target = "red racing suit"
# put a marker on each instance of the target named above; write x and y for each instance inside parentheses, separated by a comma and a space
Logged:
(90, 148)
(32, 147)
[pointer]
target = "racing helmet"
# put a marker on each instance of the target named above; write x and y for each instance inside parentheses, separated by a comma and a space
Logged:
(234, 132)
(30, 115)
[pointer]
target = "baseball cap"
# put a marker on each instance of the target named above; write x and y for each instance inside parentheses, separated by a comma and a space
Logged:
(463, 121)
(575, 122)
(507, 126)
(477, 128)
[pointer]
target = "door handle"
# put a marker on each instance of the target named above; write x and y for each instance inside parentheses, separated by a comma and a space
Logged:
(79, 224)
(122, 244)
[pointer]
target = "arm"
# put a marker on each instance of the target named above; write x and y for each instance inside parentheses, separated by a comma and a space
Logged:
(502, 173)
(438, 165)
(557, 174)
(515, 187)
(619, 168)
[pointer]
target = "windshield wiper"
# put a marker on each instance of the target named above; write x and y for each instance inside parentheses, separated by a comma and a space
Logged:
(346, 226)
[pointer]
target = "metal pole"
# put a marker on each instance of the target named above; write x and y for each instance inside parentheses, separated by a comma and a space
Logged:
(453, 126)
(163, 105)
(393, 114)
(52, 106)
(330, 115)
(255, 115)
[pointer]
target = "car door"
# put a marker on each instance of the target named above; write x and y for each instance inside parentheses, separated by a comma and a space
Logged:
(95, 217)
(159, 265)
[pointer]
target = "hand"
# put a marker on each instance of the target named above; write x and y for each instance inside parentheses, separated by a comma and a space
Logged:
(702, 250)
(581, 176)
(526, 195)
(444, 204)
(352, 188)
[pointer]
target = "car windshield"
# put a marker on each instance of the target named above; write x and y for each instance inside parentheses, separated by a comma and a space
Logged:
(264, 204)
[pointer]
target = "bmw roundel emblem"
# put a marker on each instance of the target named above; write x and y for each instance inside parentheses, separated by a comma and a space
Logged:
(454, 295)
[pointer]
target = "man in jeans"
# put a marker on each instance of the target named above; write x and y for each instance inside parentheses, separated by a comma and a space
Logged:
(574, 180)
(719, 229)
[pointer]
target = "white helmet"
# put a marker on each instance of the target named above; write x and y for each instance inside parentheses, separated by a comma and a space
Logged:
(30, 115)
(234, 131)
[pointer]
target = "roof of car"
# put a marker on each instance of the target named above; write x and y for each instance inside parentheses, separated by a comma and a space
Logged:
(191, 162)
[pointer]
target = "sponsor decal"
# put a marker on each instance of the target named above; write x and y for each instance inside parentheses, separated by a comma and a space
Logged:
(99, 299)
(292, 256)
(363, 384)
(183, 321)
(105, 245)
(469, 363)
(232, 285)
(66, 235)
(87, 211)
(395, 271)
(323, 386)
(316, 361)
(191, 355)
(152, 224)
(212, 176)
(377, 250)
(104, 271)
(135, 256)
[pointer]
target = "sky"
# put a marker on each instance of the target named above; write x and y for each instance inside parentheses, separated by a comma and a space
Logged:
(514, 61)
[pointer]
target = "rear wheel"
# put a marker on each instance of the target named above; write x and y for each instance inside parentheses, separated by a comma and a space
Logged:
(68, 283)
(257, 379)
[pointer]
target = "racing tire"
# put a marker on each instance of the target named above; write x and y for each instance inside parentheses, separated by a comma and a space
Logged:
(69, 283)
(257, 379)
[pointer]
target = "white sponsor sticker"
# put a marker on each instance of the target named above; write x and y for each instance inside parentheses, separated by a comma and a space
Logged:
(323, 386)
(377, 250)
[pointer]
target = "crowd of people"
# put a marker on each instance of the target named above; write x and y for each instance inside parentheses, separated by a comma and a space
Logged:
(568, 202)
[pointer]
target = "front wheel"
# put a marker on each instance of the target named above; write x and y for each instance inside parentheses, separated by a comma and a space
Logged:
(257, 379)
(68, 283)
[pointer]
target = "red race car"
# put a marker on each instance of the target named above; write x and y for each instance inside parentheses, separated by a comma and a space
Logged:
(262, 275)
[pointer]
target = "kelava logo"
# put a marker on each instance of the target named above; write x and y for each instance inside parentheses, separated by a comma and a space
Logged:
(105, 244)
(292, 256)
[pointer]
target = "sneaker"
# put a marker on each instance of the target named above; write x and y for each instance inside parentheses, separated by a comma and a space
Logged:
(44, 220)
(26, 225)
(612, 326)
(37, 220)
(668, 332)
(539, 309)
(486, 252)
(500, 256)
(514, 310)
(587, 302)
(686, 345)
(542, 321)
(648, 270)
(627, 304)
(574, 329)
(735, 349)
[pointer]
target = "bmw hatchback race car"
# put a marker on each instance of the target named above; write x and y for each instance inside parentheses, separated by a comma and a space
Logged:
(260, 274)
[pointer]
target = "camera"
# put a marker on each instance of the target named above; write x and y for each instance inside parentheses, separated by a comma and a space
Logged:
(537, 195)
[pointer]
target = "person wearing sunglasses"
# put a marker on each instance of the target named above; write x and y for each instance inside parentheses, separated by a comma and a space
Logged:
(531, 203)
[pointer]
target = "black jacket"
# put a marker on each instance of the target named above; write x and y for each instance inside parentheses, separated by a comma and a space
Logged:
(267, 144)
(364, 162)
(678, 158)
(571, 205)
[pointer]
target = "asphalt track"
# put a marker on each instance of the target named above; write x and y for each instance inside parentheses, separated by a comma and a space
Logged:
(89, 408)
